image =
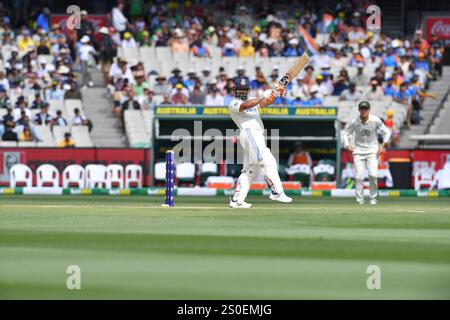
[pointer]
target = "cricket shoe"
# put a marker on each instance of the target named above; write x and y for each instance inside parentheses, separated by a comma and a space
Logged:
(373, 201)
(360, 202)
(236, 205)
(282, 197)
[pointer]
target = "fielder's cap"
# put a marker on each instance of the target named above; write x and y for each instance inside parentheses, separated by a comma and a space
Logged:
(364, 105)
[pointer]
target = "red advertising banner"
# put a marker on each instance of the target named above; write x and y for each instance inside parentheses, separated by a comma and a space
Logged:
(439, 26)
(430, 158)
(61, 158)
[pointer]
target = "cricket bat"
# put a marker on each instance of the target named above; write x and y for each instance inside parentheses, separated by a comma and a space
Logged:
(294, 70)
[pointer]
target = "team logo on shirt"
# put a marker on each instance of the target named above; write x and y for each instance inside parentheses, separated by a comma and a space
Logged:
(365, 132)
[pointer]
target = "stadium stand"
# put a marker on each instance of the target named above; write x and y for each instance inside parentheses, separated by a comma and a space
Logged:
(209, 50)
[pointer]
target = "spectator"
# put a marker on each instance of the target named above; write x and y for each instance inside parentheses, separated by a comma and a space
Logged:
(55, 92)
(43, 20)
(43, 117)
(390, 88)
(26, 135)
(374, 92)
(247, 50)
(21, 108)
(128, 41)
(173, 80)
(4, 100)
(8, 116)
(299, 89)
(229, 50)
(350, 94)
(25, 43)
(293, 50)
(313, 99)
(322, 89)
(9, 134)
(390, 58)
(199, 50)
(197, 96)
(119, 21)
(179, 43)
(80, 120)
(206, 76)
(214, 98)
(403, 96)
(299, 156)
(59, 120)
(161, 87)
(67, 142)
(360, 78)
(130, 103)
(166, 99)
(147, 101)
(87, 60)
(139, 87)
(38, 102)
(86, 26)
(395, 134)
(108, 50)
(73, 92)
(179, 95)
(339, 86)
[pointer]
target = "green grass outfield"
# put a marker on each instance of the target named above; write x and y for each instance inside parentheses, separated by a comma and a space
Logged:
(131, 248)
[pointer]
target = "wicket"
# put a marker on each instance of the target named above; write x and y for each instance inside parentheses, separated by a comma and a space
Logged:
(170, 178)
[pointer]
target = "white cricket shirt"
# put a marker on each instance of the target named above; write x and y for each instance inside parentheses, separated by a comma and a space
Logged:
(366, 139)
(247, 119)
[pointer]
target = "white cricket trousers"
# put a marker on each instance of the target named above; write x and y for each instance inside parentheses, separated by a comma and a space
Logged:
(256, 156)
(362, 161)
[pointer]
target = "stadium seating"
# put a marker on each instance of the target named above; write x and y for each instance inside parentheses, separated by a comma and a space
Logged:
(73, 176)
(96, 176)
(20, 176)
(115, 178)
(185, 173)
(133, 176)
(47, 175)
(425, 176)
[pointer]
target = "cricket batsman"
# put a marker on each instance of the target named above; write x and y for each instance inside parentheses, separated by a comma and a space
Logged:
(245, 114)
(366, 149)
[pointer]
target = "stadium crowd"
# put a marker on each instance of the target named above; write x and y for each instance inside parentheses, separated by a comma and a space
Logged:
(402, 67)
